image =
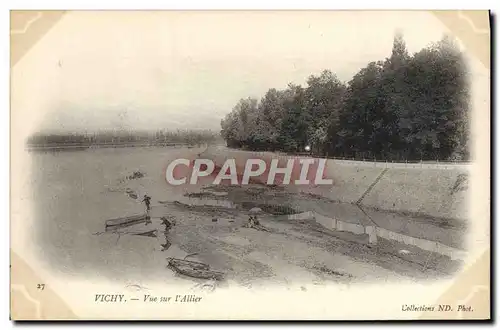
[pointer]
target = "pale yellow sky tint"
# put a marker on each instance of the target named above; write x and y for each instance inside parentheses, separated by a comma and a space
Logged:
(187, 69)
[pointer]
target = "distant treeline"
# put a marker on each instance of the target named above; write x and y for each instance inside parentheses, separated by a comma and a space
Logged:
(160, 137)
(409, 107)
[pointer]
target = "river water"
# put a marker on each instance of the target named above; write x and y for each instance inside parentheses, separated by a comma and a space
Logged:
(75, 192)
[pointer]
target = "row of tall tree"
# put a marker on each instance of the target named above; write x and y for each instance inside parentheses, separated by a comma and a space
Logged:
(405, 107)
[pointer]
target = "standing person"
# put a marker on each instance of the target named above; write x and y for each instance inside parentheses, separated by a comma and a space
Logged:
(147, 202)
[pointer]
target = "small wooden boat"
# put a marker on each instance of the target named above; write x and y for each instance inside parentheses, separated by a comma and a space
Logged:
(126, 221)
(194, 269)
(187, 263)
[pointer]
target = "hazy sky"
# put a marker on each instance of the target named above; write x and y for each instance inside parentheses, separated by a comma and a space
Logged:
(98, 70)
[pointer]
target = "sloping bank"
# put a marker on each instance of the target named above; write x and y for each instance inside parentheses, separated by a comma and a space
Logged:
(374, 233)
(436, 195)
(418, 189)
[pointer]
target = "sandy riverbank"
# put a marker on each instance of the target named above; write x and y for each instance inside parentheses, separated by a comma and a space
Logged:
(289, 252)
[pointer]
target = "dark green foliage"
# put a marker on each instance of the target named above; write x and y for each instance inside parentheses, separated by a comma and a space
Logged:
(409, 107)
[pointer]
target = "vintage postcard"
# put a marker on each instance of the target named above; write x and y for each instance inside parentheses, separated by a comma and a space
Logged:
(250, 165)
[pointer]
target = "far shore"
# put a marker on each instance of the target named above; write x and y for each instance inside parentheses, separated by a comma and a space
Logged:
(78, 146)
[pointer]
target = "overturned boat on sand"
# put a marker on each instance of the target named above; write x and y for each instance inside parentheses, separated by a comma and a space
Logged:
(150, 233)
(194, 269)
